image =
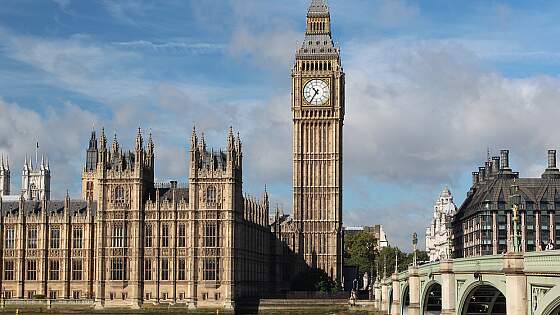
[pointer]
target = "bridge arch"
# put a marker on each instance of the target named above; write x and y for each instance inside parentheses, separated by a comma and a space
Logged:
(390, 296)
(431, 298)
(549, 304)
(482, 297)
(405, 299)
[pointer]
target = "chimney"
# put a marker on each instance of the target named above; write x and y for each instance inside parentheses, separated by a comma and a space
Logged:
(495, 165)
(504, 159)
(481, 174)
(551, 171)
(551, 159)
(488, 168)
(475, 178)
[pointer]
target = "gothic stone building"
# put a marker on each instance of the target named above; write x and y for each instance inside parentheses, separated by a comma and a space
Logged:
(130, 241)
(483, 224)
(438, 236)
(314, 232)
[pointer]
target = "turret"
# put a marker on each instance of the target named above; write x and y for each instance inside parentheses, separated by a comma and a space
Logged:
(91, 153)
(150, 151)
(4, 176)
(139, 141)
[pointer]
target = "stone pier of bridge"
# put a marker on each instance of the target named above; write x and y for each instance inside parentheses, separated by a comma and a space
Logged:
(513, 284)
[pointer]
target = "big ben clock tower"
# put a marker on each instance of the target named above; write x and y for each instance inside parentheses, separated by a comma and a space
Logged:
(318, 116)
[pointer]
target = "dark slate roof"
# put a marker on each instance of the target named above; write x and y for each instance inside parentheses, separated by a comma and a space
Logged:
(180, 193)
(318, 7)
(497, 190)
(214, 160)
(53, 206)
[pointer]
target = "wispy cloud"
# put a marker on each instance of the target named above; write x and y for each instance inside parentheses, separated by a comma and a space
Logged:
(173, 47)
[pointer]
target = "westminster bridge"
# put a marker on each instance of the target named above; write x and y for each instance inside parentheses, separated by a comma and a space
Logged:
(526, 283)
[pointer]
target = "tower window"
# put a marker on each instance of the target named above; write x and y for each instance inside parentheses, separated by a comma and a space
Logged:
(32, 238)
(77, 237)
(54, 270)
(119, 194)
(182, 241)
(148, 270)
(117, 268)
(32, 270)
(165, 235)
(9, 270)
(211, 269)
(55, 238)
(148, 236)
(117, 237)
(181, 275)
(211, 234)
(211, 195)
(164, 269)
(76, 269)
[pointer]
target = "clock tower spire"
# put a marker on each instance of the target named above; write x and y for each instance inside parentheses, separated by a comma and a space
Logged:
(318, 116)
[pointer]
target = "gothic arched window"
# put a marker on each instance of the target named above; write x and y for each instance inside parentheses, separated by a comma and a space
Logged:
(119, 194)
(211, 195)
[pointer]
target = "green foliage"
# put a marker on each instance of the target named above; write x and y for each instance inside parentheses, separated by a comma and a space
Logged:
(359, 251)
(314, 280)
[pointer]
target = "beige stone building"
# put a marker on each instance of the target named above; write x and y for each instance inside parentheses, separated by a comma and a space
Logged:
(130, 241)
(318, 103)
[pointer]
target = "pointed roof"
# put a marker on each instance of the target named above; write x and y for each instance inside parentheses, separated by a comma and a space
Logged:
(318, 7)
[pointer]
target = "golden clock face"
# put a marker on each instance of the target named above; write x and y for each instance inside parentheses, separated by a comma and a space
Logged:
(316, 92)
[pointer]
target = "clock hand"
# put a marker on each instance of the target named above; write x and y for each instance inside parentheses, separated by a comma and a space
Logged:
(316, 92)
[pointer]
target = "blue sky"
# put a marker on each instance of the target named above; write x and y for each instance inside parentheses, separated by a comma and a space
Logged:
(430, 85)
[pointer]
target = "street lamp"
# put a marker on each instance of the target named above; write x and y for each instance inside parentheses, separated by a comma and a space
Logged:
(414, 245)
(515, 201)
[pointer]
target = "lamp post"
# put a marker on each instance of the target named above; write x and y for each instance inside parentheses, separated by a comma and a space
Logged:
(515, 200)
(414, 245)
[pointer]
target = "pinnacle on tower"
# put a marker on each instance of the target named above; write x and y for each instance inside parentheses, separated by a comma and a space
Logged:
(150, 144)
(103, 139)
(194, 138)
(139, 140)
(230, 140)
(115, 144)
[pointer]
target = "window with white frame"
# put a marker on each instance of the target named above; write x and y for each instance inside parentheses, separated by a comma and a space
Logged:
(77, 269)
(54, 269)
(117, 236)
(31, 270)
(77, 237)
(32, 238)
(164, 235)
(182, 240)
(9, 242)
(55, 238)
(118, 268)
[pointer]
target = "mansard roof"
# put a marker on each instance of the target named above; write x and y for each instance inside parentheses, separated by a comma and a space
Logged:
(53, 207)
(535, 191)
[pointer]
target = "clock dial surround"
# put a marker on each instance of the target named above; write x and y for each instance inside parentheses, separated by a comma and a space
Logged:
(316, 92)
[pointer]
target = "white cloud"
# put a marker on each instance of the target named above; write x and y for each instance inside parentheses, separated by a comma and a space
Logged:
(395, 13)
(59, 131)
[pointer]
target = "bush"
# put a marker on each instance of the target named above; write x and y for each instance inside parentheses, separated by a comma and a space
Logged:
(314, 280)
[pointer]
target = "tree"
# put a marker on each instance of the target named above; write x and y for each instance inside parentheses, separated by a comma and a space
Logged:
(314, 280)
(359, 251)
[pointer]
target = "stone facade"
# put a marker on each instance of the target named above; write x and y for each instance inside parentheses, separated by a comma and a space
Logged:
(130, 241)
(483, 224)
(315, 229)
(438, 234)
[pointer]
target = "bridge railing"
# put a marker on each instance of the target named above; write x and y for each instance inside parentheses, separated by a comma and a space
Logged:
(542, 262)
(490, 263)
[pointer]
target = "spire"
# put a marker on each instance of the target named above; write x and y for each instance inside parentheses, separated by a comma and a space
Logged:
(103, 139)
(93, 141)
(238, 143)
(7, 162)
(202, 143)
(2, 163)
(230, 139)
(150, 144)
(194, 138)
(318, 7)
(115, 144)
(139, 140)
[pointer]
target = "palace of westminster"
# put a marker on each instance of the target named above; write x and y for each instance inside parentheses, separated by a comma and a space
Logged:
(130, 241)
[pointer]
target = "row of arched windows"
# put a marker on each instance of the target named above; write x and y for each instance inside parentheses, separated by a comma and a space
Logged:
(316, 66)
(317, 26)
